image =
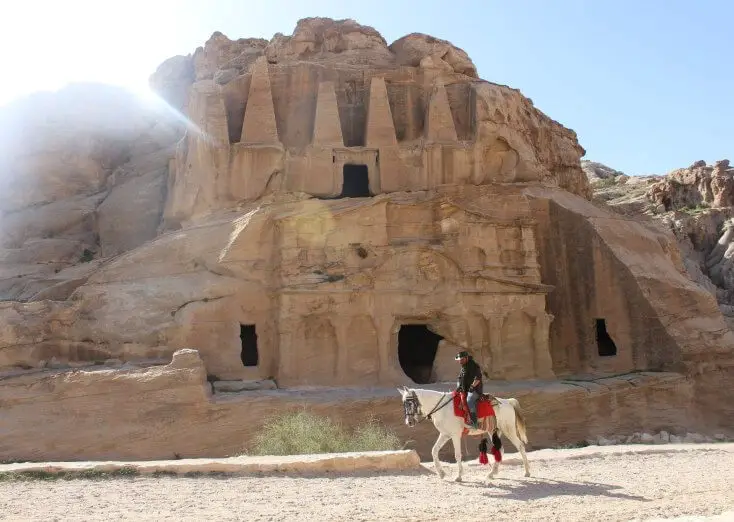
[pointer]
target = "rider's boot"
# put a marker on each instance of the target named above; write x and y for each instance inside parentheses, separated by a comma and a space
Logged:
(474, 423)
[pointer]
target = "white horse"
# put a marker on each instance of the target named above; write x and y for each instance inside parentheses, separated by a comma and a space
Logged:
(438, 406)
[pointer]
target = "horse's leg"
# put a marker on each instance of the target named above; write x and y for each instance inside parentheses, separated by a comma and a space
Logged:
(521, 448)
(510, 428)
(456, 440)
(495, 464)
(492, 426)
(440, 443)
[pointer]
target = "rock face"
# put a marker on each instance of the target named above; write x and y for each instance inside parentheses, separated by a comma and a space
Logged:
(169, 412)
(697, 185)
(84, 174)
(596, 171)
(293, 113)
(325, 209)
(696, 204)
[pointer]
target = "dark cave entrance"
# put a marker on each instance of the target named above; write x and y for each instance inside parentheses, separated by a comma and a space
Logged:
(667, 204)
(356, 182)
(604, 343)
(248, 340)
(417, 347)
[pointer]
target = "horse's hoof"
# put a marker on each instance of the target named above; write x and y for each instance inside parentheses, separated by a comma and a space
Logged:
(441, 474)
(457, 479)
(527, 473)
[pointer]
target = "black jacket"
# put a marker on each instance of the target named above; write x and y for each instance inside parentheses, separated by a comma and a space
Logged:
(469, 372)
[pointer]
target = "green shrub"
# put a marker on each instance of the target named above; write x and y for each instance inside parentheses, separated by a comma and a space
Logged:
(604, 183)
(696, 209)
(87, 256)
(89, 474)
(374, 437)
(301, 433)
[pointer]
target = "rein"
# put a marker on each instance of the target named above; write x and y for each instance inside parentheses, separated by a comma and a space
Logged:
(438, 407)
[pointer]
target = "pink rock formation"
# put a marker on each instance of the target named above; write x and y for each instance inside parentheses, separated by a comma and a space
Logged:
(697, 185)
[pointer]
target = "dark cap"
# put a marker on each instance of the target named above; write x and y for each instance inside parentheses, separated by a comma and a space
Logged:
(461, 355)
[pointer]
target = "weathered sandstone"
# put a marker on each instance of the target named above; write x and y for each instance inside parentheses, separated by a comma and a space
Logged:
(347, 463)
(167, 412)
(697, 185)
(325, 210)
(694, 203)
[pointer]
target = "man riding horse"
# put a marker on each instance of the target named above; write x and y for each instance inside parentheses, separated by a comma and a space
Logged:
(469, 384)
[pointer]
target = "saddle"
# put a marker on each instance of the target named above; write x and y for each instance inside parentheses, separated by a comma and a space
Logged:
(485, 406)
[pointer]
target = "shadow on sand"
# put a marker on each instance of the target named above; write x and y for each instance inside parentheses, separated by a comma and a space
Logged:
(539, 488)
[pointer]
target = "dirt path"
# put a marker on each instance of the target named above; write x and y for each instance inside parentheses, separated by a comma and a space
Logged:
(568, 485)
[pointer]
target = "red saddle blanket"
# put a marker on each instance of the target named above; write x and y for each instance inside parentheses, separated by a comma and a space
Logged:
(484, 408)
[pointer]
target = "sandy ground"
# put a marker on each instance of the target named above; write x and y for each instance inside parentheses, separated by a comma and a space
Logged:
(685, 484)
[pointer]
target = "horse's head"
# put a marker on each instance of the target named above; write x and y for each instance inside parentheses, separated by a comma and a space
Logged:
(411, 406)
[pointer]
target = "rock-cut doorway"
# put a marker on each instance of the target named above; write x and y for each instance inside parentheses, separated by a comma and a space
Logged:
(604, 342)
(356, 183)
(248, 343)
(417, 347)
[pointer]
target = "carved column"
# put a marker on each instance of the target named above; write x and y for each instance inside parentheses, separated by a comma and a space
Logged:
(287, 365)
(327, 129)
(342, 347)
(495, 344)
(528, 247)
(439, 122)
(267, 346)
(258, 124)
(380, 134)
(541, 336)
(490, 238)
(388, 360)
(479, 341)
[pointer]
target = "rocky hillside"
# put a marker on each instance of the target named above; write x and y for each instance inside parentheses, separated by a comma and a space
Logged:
(290, 206)
(119, 217)
(83, 175)
(696, 203)
(85, 172)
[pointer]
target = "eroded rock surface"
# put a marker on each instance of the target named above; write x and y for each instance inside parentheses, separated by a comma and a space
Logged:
(168, 411)
(83, 175)
(696, 204)
(324, 209)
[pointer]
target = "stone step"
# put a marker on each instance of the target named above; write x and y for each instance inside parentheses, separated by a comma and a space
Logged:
(316, 463)
(238, 386)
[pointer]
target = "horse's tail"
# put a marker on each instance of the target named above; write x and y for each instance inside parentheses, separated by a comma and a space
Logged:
(519, 420)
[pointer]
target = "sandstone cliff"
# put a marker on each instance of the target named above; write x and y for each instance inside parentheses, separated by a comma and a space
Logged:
(83, 177)
(324, 209)
(695, 203)
(251, 132)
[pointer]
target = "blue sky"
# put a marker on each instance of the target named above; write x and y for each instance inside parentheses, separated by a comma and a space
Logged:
(647, 85)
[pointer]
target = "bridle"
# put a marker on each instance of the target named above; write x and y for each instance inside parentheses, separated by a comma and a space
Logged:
(412, 407)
